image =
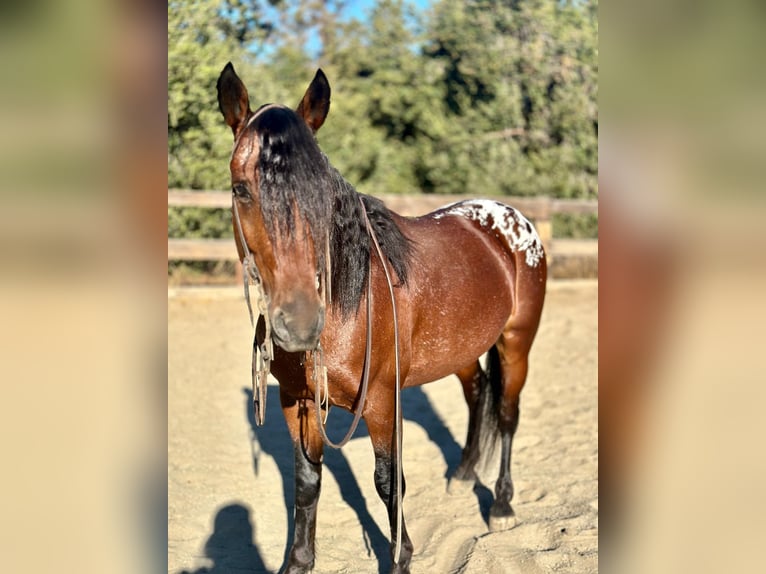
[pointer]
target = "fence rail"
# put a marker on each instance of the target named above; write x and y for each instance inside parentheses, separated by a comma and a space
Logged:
(202, 250)
(533, 207)
(539, 209)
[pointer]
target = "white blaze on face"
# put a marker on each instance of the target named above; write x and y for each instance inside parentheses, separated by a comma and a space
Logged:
(511, 224)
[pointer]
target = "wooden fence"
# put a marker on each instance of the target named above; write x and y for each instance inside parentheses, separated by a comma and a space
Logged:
(561, 252)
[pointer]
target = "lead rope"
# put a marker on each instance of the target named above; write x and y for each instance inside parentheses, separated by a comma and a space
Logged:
(321, 386)
(264, 353)
(319, 369)
(397, 393)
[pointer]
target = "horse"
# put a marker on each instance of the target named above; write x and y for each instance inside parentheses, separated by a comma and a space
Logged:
(440, 291)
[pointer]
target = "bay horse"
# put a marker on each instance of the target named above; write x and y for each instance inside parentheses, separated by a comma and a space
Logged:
(439, 291)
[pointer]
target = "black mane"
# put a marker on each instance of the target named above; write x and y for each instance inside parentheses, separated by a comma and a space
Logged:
(294, 172)
(351, 245)
(291, 174)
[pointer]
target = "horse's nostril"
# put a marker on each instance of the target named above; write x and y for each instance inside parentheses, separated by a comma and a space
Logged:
(279, 323)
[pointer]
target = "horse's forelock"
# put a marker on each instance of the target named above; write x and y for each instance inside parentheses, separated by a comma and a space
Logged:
(298, 183)
(295, 183)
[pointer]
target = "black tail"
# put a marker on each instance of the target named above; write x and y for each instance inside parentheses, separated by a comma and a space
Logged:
(490, 395)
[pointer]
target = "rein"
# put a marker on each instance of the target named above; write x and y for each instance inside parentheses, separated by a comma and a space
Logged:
(319, 370)
(397, 390)
(263, 355)
(321, 385)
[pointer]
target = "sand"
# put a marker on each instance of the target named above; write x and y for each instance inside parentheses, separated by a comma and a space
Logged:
(230, 484)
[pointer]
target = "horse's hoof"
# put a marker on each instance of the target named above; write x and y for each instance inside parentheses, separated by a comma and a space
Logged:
(460, 485)
(297, 568)
(500, 523)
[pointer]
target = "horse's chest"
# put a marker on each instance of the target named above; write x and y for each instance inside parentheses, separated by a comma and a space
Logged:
(296, 380)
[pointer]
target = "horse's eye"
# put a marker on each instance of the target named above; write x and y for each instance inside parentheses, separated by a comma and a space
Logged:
(240, 191)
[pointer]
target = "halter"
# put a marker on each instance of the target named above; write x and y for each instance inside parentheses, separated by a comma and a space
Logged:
(264, 353)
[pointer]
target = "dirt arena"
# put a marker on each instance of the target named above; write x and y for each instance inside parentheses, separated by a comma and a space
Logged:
(230, 484)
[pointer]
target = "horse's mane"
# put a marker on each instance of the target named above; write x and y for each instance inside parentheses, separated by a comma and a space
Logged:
(295, 174)
(351, 245)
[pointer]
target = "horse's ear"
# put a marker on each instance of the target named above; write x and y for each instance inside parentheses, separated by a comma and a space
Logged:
(233, 100)
(316, 102)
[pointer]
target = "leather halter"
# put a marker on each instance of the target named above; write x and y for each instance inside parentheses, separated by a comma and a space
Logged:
(264, 353)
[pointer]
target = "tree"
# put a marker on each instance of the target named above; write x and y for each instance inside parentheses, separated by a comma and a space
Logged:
(202, 36)
(382, 100)
(482, 97)
(519, 86)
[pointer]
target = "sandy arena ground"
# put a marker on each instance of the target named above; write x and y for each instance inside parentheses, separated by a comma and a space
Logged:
(230, 484)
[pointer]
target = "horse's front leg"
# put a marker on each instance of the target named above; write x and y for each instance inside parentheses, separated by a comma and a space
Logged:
(307, 444)
(386, 468)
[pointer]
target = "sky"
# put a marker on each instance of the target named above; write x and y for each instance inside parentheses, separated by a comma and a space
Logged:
(360, 10)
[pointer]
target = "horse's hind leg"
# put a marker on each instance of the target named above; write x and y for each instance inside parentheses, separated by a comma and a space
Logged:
(471, 379)
(308, 447)
(513, 348)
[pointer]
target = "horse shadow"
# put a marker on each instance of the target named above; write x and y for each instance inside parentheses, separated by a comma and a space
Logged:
(230, 546)
(416, 407)
(275, 442)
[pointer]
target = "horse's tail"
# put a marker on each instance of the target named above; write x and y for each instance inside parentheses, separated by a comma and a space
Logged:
(490, 395)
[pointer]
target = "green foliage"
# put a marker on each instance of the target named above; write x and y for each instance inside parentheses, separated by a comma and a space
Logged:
(484, 97)
(379, 104)
(199, 222)
(519, 86)
(202, 36)
(575, 226)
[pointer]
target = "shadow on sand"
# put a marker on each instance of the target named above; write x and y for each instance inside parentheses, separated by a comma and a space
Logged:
(274, 441)
(230, 546)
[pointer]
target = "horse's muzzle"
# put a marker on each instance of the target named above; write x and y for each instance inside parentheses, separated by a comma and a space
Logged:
(297, 325)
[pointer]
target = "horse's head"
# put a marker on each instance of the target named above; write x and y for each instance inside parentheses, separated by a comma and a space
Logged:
(282, 194)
